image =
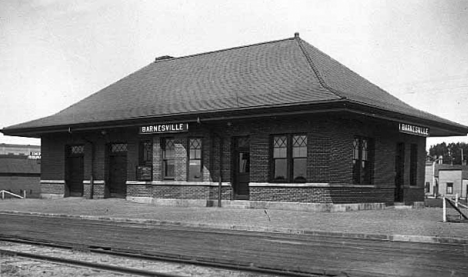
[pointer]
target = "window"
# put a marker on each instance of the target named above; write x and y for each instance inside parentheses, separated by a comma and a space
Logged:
(195, 159)
(118, 148)
(145, 161)
(289, 158)
(362, 160)
(299, 158)
(280, 154)
(146, 153)
(244, 162)
(76, 149)
(449, 188)
(242, 147)
(414, 165)
(168, 157)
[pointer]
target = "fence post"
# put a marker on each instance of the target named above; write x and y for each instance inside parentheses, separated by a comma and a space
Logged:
(456, 199)
(444, 208)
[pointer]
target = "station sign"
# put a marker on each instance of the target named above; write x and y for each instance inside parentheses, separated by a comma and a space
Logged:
(414, 130)
(164, 128)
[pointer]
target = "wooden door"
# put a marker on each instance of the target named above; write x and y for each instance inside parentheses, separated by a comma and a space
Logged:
(399, 171)
(75, 170)
(241, 155)
(118, 170)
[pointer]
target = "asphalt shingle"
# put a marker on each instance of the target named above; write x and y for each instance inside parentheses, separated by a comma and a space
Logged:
(273, 74)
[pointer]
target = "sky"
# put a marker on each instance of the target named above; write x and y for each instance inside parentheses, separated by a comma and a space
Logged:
(54, 53)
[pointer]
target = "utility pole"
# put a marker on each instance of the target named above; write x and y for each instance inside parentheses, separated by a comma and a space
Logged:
(461, 156)
(434, 186)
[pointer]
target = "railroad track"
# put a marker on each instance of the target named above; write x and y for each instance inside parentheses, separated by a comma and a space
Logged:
(125, 253)
(99, 266)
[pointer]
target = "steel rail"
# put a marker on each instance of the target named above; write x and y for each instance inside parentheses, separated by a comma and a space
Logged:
(228, 265)
(99, 266)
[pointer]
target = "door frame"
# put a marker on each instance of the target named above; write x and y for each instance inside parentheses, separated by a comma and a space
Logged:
(400, 156)
(109, 155)
(236, 150)
(68, 156)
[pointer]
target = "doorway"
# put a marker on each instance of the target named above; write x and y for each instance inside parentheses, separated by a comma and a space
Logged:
(241, 167)
(117, 170)
(399, 171)
(75, 170)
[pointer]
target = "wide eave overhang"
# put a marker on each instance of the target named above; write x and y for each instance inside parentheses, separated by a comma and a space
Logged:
(437, 128)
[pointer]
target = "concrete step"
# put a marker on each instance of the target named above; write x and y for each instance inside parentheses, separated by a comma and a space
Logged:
(401, 206)
(236, 204)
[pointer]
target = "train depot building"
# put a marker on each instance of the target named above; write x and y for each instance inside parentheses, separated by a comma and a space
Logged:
(271, 125)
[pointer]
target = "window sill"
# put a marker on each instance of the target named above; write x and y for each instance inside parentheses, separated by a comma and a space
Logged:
(316, 185)
(178, 183)
(286, 182)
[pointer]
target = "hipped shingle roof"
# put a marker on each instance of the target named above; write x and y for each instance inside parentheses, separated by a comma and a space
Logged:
(280, 73)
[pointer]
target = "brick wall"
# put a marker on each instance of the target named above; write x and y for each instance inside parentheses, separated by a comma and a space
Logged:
(53, 188)
(53, 157)
(318, 165)
(145, 190)
(335, 195)
(181, 157)
(99, 191)
(132, 157)
(215, 164)
(341, 135)
(100, 158)
(330, 150)
(180, 192)
(384, 165)
(207, 149)
(87, 190)
(157, 159)
(330, 147)
(259, 151)
(226, 192)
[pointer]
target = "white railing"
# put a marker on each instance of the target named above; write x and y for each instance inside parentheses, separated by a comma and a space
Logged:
(455, 205)
(3, 192)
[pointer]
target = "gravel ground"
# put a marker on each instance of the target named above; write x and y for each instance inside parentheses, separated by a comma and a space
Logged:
(22, 267)
(418, 222)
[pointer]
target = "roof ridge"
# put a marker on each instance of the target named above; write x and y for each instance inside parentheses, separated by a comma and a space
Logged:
(336, 91)
(222, 50)
(316, 71)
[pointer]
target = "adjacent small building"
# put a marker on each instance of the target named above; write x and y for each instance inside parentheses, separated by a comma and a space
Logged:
(270, 125)
(446, 180)
(30, 151)
(20, 169)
